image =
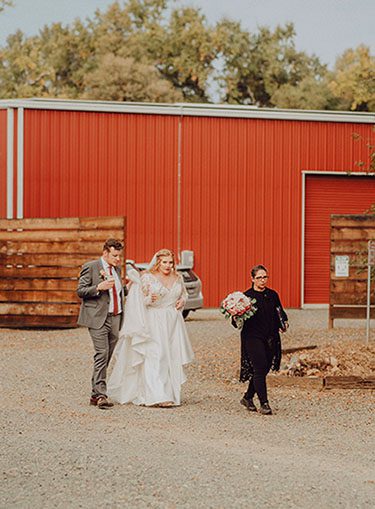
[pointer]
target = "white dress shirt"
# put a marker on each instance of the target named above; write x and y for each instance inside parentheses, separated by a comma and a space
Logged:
(117, 287)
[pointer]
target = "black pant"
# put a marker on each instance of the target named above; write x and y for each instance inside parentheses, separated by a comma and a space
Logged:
(260, 355)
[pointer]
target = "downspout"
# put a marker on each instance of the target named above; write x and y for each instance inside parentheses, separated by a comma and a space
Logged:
(179, 183)
(303, 240)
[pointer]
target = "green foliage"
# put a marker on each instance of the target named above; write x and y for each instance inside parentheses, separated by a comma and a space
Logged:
(123, 79)
(354, 79)
(370, 145)
(150, 50)
(185, 57)
(265, 68)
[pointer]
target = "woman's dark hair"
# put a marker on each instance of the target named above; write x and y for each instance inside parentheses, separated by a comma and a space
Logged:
(256, 269)
(116, 244)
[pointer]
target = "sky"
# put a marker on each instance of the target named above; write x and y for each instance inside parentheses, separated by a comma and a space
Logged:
(324, 27)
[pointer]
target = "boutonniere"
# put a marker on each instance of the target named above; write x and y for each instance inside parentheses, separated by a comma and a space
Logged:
(103, 274)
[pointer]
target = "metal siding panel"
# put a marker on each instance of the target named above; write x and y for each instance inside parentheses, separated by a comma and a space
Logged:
(3, 163)
(88, 164)
(248, 204)
(241, 184)
(326, 195)
(242, 192)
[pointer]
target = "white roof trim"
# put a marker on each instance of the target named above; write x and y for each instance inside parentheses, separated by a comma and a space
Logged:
(189, 109)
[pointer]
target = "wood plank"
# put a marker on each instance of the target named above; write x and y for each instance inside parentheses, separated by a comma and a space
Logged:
(38, 284)
(349, 299)
(58, 296)
(41, 260)
(91, 249)
(357, 261)
(39, 272)
(64, 223)
(61, 235)
(46, 223)
(353, 234)
(21, 321)
(348, 382)
(353, 221)
(344, 246)
(349, 285)
(350, 312)
(17, 308)
(303, 382)
(55, 260)
(355, 274)
(299, 348)
(103, 223)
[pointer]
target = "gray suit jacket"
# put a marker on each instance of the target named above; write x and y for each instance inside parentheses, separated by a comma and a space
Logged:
(94, 307)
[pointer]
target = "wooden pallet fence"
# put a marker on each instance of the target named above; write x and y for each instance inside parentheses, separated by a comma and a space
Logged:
(349, 236)
(40, 261)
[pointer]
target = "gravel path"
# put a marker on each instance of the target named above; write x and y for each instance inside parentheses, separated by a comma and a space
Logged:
(57, 452)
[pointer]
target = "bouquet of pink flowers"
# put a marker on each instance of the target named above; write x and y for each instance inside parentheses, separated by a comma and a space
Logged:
(238, 307)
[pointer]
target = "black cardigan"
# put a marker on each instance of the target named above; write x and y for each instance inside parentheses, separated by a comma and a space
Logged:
(264, 324)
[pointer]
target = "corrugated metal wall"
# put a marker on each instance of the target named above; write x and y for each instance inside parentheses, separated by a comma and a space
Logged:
(241, 185)
(3, 163)
(242, 195)
(100, 164)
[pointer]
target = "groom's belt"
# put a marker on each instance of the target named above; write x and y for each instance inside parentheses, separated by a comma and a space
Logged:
(112, 314)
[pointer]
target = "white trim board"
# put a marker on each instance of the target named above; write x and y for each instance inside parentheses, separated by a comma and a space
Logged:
(190, 109)
(10, 163)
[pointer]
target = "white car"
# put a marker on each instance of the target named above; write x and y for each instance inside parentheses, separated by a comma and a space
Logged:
(192, 283)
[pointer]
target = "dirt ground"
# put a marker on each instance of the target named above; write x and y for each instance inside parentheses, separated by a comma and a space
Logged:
(317, 450)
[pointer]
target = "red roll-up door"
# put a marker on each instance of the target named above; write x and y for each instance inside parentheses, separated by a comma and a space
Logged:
(326, 195)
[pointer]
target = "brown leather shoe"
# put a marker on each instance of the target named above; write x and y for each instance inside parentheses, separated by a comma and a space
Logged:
(103, 403)
(93, 400)
(249, 404)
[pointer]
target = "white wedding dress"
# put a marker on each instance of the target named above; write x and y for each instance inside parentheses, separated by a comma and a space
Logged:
(153, 345)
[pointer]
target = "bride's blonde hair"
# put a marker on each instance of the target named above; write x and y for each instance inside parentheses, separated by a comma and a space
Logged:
(159, 255)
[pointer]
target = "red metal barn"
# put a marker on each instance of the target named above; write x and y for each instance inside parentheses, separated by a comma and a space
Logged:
(236, 185)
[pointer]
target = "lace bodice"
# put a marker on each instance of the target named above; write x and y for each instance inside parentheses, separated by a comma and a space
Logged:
(167, 297)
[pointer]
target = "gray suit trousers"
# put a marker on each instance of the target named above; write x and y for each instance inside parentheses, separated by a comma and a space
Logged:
(104, 341)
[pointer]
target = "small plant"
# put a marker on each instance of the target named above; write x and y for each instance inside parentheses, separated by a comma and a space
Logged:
(370, 168)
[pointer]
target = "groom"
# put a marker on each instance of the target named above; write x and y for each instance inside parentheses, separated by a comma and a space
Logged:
(102, 294)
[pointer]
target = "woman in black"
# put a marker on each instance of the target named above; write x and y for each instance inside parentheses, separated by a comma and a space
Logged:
(260, 340)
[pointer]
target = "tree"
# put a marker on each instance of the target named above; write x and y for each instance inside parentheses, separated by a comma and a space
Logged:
(309, 94)
(354, 79)
(5, 3)
(186, 54)
(146, 50)
(19, 74)
(51, 64)
(265, 67)
(123, 79)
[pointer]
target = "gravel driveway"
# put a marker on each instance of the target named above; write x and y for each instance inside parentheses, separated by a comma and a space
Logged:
(58, 452)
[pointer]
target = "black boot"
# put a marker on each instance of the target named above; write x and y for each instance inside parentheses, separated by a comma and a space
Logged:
(249, 404)
(265, 409)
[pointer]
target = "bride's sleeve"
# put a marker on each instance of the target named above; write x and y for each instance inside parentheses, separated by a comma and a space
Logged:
(146, 289)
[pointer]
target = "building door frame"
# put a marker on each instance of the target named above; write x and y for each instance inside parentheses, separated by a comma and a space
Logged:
(307, 173)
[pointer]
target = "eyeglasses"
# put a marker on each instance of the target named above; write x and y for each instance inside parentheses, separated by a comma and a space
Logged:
(261, 277)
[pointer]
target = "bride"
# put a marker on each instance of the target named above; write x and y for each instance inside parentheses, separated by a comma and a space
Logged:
(153, 344)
